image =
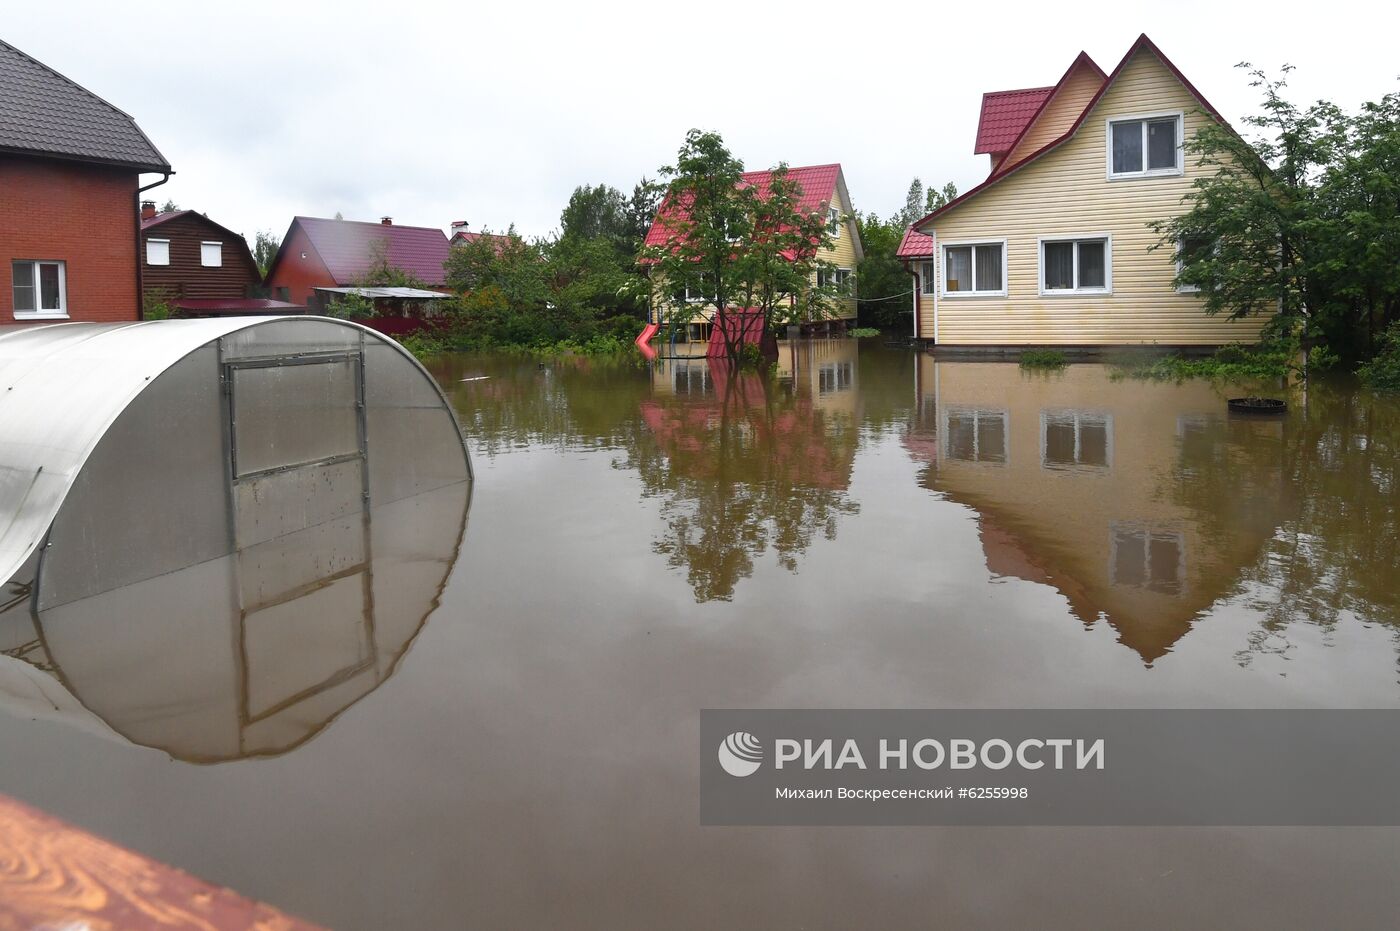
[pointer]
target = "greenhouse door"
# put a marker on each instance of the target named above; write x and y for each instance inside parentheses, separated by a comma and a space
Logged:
(300, 511)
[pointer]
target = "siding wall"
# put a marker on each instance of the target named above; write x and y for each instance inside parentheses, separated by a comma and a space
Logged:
(1066, 192)
(185, 276)
(84, 215)
(1060, 112)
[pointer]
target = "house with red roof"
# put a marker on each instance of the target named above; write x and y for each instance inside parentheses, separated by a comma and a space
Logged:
(1054, 247)
(823, 192)
(198, 268)
(320, 254)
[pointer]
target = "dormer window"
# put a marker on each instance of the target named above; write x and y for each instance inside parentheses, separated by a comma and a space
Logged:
(1145, 146)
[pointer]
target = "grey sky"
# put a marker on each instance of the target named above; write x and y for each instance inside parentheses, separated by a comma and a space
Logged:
(494, 112)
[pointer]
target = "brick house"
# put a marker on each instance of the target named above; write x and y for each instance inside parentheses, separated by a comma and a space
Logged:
(70, 167)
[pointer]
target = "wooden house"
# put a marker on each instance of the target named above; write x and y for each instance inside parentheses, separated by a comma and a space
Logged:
(823, 191)
(198, 268)
(1055, 246)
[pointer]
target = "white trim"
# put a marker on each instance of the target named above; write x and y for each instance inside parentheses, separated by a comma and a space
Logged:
(166, 243)
(937, 277)
(838, 220)
(1077, 414)
(1105, 238)
(1176, 171)
(38, 313)
(943, 268)
(211, 242)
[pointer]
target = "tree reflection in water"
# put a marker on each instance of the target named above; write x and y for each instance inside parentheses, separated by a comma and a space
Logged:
(743, 464)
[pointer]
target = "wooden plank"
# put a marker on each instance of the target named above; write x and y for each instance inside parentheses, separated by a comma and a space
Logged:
(53, 875)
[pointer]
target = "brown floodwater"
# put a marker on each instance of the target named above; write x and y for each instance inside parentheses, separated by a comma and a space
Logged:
(511, 742)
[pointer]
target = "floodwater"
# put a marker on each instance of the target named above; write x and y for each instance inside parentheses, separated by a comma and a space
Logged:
(872, 528)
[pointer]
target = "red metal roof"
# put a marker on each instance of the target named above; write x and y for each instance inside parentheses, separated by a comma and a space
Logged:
(1142, 43)
(818, 188)
(1005, 115)
(914, 245)
(346, 248)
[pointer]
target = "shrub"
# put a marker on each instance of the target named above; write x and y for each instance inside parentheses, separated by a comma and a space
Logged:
(1043, 359)
(860, 332)
(1383, 371)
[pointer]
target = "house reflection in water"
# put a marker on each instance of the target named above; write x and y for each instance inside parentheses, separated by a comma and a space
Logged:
(744, 464)
(1140, 503)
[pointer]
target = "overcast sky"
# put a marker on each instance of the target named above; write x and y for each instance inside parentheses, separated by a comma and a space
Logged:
(494, 112)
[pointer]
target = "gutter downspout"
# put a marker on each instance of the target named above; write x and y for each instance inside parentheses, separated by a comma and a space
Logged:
(140, 283)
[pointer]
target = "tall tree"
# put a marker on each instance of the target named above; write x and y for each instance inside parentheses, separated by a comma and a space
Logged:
(595, 213)
(265, 246)
(937, 197)
(913, 203)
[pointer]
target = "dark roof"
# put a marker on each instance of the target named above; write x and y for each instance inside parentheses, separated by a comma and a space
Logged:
(346, 248)
(44, 113)
(254, 306)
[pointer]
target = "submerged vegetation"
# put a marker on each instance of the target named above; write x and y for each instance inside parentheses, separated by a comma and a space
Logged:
(1228, 363)
(861, 332)
(1044, 359)
(1383, 371)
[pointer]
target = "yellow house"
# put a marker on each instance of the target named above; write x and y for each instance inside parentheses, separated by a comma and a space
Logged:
(823, 191)
(1054, 247)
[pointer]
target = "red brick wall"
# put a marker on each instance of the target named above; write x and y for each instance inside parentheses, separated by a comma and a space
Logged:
(84, 215)
(298, 275)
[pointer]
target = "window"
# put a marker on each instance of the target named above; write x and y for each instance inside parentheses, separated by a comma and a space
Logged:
(1076, 440)
(211, 254)
(1144, 146)
(926, 277)
(834, 376)
(699, 290)
(1076, 266)
(1151, 559)
(40, 289)
(975, 435)
(157, 252)
(1190, 246)
(974, 268)
(699, 332)
(839, 278)
(833, 222)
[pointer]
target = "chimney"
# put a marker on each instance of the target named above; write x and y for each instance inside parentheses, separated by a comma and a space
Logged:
(458, 226)
(148, 209)
(386, 221)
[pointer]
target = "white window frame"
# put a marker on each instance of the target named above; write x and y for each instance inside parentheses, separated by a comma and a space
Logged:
(149, 243)
(38, 313)
(1145, 118)
(833, 221)
(978, 414)
(1183, 288)
(202, 258)
(1076, 238)
(1078, 414)
(1117, 529)
(943, 272)
(928, 272)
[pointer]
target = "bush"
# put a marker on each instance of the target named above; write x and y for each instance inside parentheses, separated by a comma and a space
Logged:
(1228, 363)
(859, 332)
(1383, 371)
(1043, 359)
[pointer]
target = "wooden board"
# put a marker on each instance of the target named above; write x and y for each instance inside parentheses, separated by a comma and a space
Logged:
(53, 875)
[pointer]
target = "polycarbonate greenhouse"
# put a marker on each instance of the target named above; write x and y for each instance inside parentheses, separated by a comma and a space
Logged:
(218, 533)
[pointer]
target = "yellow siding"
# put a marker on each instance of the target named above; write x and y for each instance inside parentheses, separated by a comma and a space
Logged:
(1060, 112)
(1066, 191)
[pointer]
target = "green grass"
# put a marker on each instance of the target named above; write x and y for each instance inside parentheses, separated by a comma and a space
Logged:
(1228, 363)
(862, 331)
(1044, 359)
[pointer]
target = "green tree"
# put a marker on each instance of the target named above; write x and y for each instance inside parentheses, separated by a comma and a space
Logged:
(169, 206)
(885, 285)
(937, 197)
(265, 246)
(595, 213)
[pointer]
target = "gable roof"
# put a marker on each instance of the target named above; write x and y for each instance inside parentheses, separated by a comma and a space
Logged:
(914, 245)
(346, 248)
(1143, 43)
(45, 114)
(1082, 62)
(240, 242)
(1005, 115)
(820, 184)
